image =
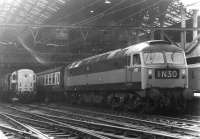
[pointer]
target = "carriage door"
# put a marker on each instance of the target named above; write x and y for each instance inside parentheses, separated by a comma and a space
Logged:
(13, 82)
(129, 69)
(134, 70)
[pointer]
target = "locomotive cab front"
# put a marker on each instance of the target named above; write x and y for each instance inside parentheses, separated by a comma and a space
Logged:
(164, 68)
(165, 74)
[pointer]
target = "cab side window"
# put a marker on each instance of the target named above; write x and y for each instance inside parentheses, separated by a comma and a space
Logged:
(136, 59)
(14, 77)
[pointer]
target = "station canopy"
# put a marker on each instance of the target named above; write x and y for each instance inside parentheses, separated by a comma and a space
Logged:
(28, 11)
(84, 12)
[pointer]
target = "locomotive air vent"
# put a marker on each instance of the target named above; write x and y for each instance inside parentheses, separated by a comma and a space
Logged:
(159, 42)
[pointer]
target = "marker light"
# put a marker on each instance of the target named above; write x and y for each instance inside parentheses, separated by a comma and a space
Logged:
(150, 73)
(183, 72)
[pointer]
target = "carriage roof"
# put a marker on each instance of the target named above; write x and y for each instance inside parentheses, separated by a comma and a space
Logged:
(57, 69)
(23, 70)
(136, 48)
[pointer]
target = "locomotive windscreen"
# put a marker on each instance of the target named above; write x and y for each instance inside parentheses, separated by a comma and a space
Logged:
(161, 57)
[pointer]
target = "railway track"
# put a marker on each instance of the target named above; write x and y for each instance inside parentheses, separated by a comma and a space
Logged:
(12, 128)
(117, 126)
(100, 129)
(187, 122)
(34, 127)
(154, 120)
(55, 129)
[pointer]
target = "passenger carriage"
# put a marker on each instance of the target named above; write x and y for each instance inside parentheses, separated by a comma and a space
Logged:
(50, 84)
(19, 85)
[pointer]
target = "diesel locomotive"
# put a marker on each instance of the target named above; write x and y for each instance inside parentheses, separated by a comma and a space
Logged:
(19, 85)
(150, 75)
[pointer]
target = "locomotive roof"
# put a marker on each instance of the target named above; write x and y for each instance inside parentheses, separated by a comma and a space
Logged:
(50, 70)
(136, 48)
(165, 47)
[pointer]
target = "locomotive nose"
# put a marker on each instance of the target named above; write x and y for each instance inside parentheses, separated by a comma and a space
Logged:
(166, 77)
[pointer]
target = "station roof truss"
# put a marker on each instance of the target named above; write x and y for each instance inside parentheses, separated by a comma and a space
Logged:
(28, 11)
(138, 13)
(83, 15)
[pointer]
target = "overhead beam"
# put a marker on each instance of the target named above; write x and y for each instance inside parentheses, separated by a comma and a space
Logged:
(98, 27)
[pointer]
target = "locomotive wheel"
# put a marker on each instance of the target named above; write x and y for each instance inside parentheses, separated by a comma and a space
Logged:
(152, 101)
(150, 106)
(133, 103)
(180, 105)
(115, 103)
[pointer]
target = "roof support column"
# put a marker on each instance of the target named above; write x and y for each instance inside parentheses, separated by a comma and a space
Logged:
(152, 35)
(195, 23)
(183, 25)
(137, 36)
(161, 20)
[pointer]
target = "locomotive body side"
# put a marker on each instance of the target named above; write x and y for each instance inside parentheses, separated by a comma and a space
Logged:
(102, 75)
(50, 84)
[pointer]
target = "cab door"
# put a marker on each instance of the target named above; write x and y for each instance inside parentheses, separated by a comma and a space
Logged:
(133, 71)
(136, 68)
(129, 69)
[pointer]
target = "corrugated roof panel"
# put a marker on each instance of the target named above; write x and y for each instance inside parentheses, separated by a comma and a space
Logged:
(20, 10)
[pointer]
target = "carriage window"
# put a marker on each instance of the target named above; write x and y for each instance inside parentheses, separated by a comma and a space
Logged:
(14, 77)
(153, 58)
(43, 80)
(58, 77)
(175, 57)
(136, 59)
(39, 80)
(49, 79)
(53, 81)
(46, 79)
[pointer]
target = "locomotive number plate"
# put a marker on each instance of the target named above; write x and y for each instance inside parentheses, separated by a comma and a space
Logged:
(167, 73)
